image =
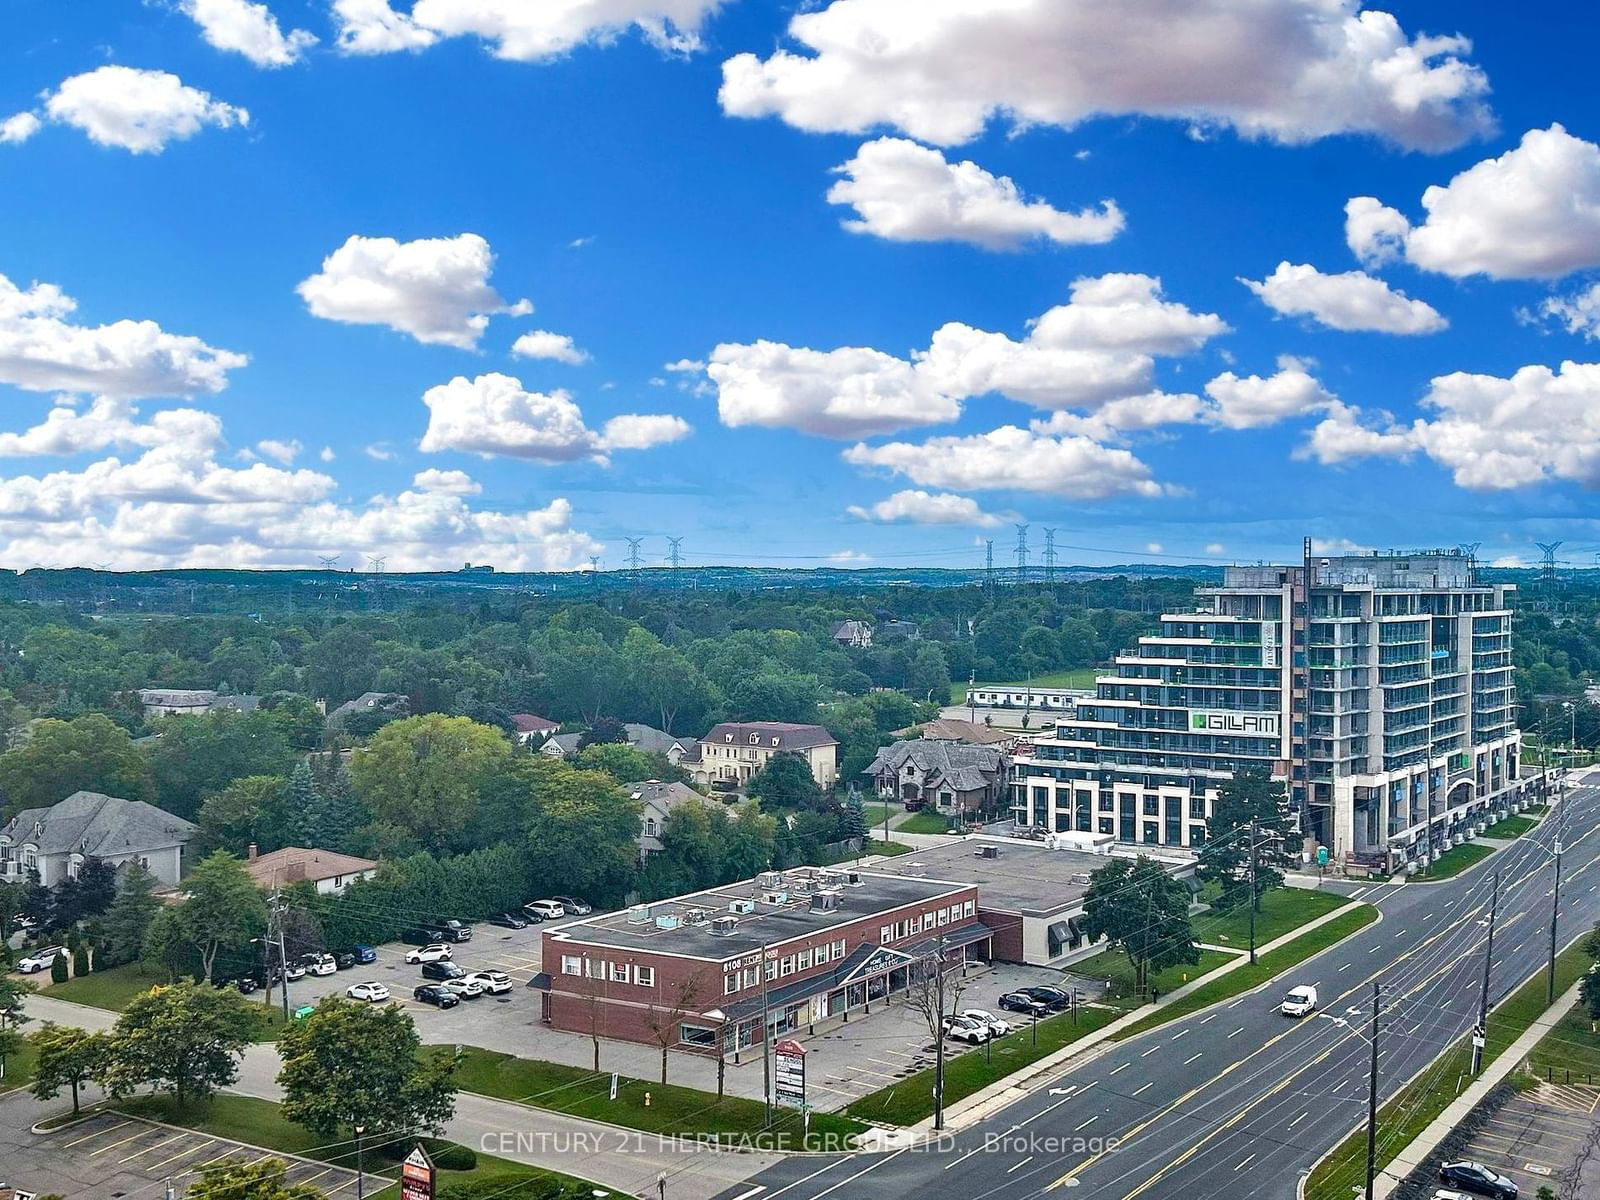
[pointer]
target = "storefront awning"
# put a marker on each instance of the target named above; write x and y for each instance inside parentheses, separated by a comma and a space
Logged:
(540, 981)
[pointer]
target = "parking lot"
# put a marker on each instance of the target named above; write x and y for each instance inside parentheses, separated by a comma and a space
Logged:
(109, 1156)
(869, 1052)
(1539, 1138)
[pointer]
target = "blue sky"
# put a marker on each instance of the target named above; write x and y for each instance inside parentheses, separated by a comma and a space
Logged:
(326, 241)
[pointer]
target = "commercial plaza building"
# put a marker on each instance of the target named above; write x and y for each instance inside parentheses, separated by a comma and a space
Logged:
(1378, 686)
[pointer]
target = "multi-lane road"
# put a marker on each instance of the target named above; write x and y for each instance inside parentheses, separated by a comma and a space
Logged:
(1239, 1100)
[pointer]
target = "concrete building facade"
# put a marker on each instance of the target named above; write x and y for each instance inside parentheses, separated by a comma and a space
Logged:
(1378, 687)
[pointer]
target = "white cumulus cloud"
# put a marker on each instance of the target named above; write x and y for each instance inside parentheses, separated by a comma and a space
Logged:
(42, 350)
(916, 507)
(1531, 213)
(435, 289)
(904, 192)
(1578, 313)
(523, 30)
(493, 415)
(541, 343)
(18, 128)
(136, 110)
(247, 28)
(1252, 401)
(1286, 70)
(1352, 301)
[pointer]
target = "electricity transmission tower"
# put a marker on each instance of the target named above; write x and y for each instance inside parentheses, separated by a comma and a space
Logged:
(1547, 567)
(988, 568)
(375, 563)
(633, 558)
(1022, 554)
(1049, 555)
(327, 561)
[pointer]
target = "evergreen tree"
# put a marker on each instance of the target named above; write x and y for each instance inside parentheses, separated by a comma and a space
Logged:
(129, 916)
(303, 803)
(855, 817)
(342, 811)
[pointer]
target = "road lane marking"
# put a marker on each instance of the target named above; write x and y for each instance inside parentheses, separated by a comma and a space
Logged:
(1088, 1123)
(1245, 1163)
(1179, 1034)
(1123, 1067)
(957, 1163)
(1149, 1052)
(1020, 1165)
(1347, 966)
(1203, 1020)
(1146, 1087)
(870, 1167)
(1187, 1061)
(1237, 1031)
(807, 1178)
(1300, 1118)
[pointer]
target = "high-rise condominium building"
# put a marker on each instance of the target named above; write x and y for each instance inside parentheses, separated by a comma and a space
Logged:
(1377, 686)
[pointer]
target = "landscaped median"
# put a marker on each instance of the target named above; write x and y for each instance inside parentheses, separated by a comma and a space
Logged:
(664, 1109)
(1414, 1108)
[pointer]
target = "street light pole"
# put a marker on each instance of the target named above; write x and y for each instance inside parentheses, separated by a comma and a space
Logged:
(361, 1172)
(1252, 891)
(766, 1038)
(938, 1037)
(1555, 897)
(1481, 1034)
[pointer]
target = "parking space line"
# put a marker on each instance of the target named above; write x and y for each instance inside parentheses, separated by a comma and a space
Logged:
(200, 1144)
(157, 1146)
(90, 1136)
(114, 1145)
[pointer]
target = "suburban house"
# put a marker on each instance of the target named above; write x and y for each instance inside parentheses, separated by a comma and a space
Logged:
(970, 733)
(852, 633)
(902, 631)
(55, 841)
(392, 703)
(729, 756)
(644, 738)
(328, 870)
(656, 800)
(528, 726)
(192, 702)
(953, 778)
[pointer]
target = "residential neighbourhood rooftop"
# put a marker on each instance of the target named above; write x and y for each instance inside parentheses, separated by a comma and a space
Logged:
(773, 735)
(294, 864)
(97, 825)
(966, 768)
(751, 913)
(529, 723)
(974, 733)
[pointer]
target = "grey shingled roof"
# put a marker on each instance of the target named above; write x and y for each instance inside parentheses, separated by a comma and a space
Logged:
(966, 768)
(649, 739)
(98, 825)
(789, 735)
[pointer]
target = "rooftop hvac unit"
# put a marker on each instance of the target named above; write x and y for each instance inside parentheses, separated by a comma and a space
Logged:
(770, 879)
(696, 916)
(827, 901)
(667, 922)
(639, 914)
(827, 879)
(775, 897)
(853, 878)
(1080, 879)
(723, 926)
(741, 905)
(988, 851)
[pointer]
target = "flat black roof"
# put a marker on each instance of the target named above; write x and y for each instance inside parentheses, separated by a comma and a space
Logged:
(1025, 878)
(666, 929)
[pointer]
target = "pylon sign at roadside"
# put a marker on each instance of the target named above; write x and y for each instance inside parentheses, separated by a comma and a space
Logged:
(417, 1176)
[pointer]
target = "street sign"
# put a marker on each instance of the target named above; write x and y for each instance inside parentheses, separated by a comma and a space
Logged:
(416, 1176)
(789, 1073)
(613, 1085)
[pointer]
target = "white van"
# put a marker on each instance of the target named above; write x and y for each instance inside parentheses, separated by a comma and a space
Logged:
(1300, 1002)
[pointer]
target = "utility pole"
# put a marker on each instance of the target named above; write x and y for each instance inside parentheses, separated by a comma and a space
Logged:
(1481, 1033)
(1555, 896)
(1252, 891)
(283, 965)
(766, 1038)
(1372, 1092)
(938, 1038)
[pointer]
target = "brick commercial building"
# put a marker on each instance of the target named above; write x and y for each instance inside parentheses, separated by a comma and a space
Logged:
(804, 946)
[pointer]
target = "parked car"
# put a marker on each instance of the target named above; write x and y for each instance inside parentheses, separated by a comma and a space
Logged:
(463, 987)
(509, 920)
(572, 906)
(1052, 997)
(344, 959)
(965, 1029)
(443, 969)
(319, 964)
(1475, 1177)
(495, 983)
(450, 930)
(984, 1017)
(433, 952)
(39, 960)
(545, 910)
(244, 984)
(364, 954)
(440, 997)
(1300, 1002)
(423, 935)
(1021, 1002)
(373, 991)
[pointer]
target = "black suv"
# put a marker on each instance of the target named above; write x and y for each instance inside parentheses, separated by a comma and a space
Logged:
(451, 930)
(1021, 1002)
(1052, 998)
(424, 935)
(443, 969)
(432, 993)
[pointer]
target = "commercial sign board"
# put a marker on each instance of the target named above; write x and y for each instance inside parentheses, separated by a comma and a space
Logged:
(789, 1073)
(416, 1176)
(1245, 724)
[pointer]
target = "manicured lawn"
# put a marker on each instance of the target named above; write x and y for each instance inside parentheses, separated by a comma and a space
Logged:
(261, 1123)
(926, 821)
(112, 988)
(1409, 1113)
(911, 1099)
(1569, 1051)
(1267, 966)
(1511, 827)
(1081, 677)
(877, 811)
(671, 1109)
(1282, 910)
(1114, 968)
(19, 1068)
(1456, 860)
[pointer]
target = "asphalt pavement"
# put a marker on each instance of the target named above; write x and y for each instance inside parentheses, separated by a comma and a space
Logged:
(1239, 1100)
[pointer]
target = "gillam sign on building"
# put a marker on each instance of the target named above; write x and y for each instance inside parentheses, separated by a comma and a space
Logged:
(1251, 724)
